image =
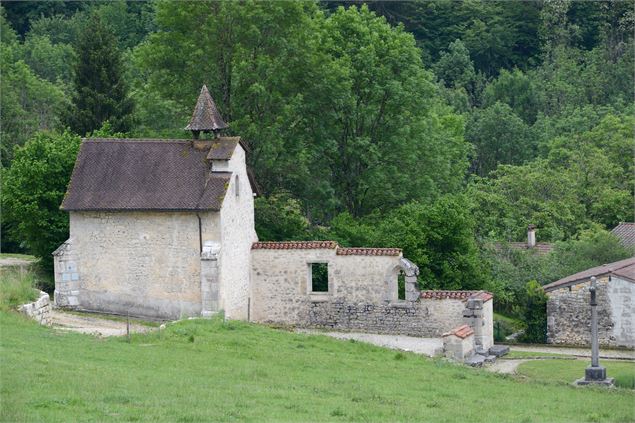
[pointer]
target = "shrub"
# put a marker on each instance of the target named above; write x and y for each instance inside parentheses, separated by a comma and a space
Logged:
(16, 287)
(535, 314)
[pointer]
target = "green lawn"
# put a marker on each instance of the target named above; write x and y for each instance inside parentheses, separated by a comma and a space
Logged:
(566, 371)
(209, 371)
(19, 256)
(512, 355)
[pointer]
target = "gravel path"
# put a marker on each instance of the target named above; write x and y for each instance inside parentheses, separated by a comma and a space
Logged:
(427, 346)
(576, 352)
(93, 325)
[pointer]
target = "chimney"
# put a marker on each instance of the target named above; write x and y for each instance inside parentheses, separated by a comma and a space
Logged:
(531, 236)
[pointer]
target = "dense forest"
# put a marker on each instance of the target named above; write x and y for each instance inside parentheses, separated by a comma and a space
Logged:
(441, 127)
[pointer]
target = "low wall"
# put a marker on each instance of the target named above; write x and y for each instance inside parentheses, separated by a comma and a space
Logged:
(39, 310)
(424, 317)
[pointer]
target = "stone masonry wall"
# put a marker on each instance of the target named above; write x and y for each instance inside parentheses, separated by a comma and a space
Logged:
(39, 310)
(569, 314)
(237, 236)
(145, 263)
(361, 295)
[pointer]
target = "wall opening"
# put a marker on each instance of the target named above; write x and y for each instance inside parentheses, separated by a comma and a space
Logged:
(401, 285)
(319, 277)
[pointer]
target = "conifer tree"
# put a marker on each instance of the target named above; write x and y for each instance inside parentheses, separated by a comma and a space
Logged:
(101, 93)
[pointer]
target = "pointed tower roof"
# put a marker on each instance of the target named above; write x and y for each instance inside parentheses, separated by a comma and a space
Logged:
(206, 116)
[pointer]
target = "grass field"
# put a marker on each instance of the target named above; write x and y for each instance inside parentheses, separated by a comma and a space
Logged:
(566, 371)
(18, 256)
(201, 370)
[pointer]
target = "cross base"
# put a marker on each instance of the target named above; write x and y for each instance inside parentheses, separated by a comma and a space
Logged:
(595, 375)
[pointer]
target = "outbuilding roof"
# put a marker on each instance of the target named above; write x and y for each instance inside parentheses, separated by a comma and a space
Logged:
(624, 269)
(146, 174)
(331, 245)
(625, 231)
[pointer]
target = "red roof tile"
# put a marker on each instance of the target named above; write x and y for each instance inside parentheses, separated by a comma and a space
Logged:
(462, 332)
(456, 295)
(293, 245)
(368, 251)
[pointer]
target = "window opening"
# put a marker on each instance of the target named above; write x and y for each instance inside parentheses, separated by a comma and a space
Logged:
(401, 286)
(319, 277)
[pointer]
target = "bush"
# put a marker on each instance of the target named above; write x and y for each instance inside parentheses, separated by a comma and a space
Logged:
(16, 287)
(535, 314)
(33, 189)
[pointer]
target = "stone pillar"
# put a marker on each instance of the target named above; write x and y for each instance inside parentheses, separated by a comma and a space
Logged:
(473, 316)
(67, 280)
(411, 271)
(210, 281)
(595, 373)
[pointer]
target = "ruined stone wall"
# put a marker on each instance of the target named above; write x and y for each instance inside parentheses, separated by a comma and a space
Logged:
(569, 313)
(144, 263)
(362, 295)
(237, 235)
(39, 310)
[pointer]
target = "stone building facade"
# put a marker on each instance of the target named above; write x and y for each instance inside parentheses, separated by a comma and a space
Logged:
(569, 311)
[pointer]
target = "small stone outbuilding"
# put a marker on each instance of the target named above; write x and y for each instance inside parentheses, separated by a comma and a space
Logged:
(569, 312)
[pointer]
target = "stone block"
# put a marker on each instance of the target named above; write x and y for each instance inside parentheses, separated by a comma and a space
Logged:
(476, 360)
(499, 350)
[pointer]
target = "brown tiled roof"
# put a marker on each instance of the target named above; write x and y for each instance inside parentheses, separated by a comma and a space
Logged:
(541, 248)
(462, 332)
(293, 245)
(206, 116)
(623, 268)
(625, 231)
(368, 251)
(456, 295)
(222, 148)
(144, 174)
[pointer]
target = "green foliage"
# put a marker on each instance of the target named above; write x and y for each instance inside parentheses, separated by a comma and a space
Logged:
(28, 103)
(101, 93)
(16, 287)
(438, 237)
(33, 189)
(535, 316)
(499, 137)
(518, 91)
(279, 217)
(338, 110)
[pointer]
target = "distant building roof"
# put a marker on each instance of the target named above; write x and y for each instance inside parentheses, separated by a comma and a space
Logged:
(147, 174)
(541, 248)
(206, 116)
(624, 269)
(625, 231)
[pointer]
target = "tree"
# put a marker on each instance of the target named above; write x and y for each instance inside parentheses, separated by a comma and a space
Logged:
(518, 91)
(279, 217)
(499, 137)
(535, 315)
(33, 189)
(437, 237)
(101, 93)
(27, 102)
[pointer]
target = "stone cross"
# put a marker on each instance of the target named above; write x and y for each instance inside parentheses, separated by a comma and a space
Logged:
(594, 374)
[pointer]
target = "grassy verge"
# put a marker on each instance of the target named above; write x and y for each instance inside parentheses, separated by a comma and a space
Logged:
(567, 371)
(533, 354)
(18, 256)
(16, 287)
(202, 370)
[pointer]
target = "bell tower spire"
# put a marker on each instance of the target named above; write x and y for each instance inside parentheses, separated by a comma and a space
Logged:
(206, 117)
